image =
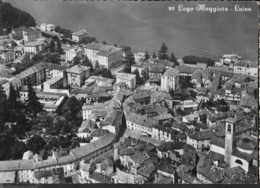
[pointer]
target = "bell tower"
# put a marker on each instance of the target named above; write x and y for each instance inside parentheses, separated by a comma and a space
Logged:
(229, 138)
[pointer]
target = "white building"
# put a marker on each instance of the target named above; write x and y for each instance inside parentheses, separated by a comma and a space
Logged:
(105, 55)
(139, 57)
(47, 27)
(33, 47)
(100, 81)
(246, 67)
(128, 79)
(72, 53)
(79, 36)
(77, 75)
(170, 80)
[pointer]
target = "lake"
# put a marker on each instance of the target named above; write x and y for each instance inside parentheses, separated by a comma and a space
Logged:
(145, 25)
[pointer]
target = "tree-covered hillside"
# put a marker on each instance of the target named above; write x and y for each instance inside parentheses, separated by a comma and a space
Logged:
(13, 17)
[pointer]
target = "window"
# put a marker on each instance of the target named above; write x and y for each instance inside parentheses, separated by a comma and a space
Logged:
(239, 162)
(229, 128)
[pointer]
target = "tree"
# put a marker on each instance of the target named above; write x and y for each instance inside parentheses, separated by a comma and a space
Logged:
(36, 143)
(33, 102)
(12, 97)
(172, 58)
(106, 73)
(74, 106)
(138, 78)
(3, 107)
(104, 42)
(163, 52)
(65, 129)
(146, 56)
(194, 60)
(17, 150)
(12, 17)
(154, 56)
(86, 62)
(145, 75)
(76, 61)
(129, 59)
(115, 45)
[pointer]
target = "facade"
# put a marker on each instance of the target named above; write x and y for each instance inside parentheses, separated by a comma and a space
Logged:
(100, 81)
(72, 53)
(47, 27)
(199, 140)
(128, 79)
(8, 56)
(246, 67)
(139, 57)
(77, 75)
(33, 47)
(31, 35)
(140, 124)
(170, 80)
(79, 36)
(27, 170)
(105, 55)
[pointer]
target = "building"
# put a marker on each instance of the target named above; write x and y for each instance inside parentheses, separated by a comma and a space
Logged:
(79, 36)
(54, 83)
(77, 75)
(237, 151)
(33, 47)
(199, 140)
(30, 170)
(6, 86)
(156, 71)
(105, 55)
(53, 70)
(142, 69)
(170, 80)
(72, 53)
(47, 27)
(31, 35)
(8, 56)
(25, 33)
(100, 81)
(27, 76)
(140, 124)
(246, 67)
(139, 57)
(128, 79)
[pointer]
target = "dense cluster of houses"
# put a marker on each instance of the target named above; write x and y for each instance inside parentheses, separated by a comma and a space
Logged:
(159, 145)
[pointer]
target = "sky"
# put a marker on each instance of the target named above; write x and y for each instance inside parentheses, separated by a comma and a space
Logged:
(144, 26)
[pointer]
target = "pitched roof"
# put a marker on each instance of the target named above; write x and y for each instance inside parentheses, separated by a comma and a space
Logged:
(166, 166)
(172, 72)
(125, 76)
(78, 69)
(80, 152)
(139, 157)
(146, 170)
(171, 146)
(100, 178)
(80, 33)
(210, 172)
(16, 165)
(202, 135)
(128, 178)
(156, 69)
(104, 50)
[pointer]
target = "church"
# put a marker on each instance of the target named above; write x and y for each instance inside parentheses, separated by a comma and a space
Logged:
(235, 150)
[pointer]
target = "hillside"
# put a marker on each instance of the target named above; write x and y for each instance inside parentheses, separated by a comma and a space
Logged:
(13, 17)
